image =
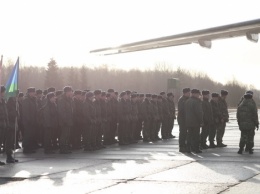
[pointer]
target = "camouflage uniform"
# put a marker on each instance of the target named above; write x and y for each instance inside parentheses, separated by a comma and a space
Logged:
(224, 119)
(98, 127)
(133, 122)
(146, 111)
(216, 120)
(113, 104)
(247, 118)
(76, 134)
(207, 121)
(194, 120)
(123, 121)
(182, 122)
(165, 119)
(139, 125)
(3, 122)
(171, 118)
(155, 120)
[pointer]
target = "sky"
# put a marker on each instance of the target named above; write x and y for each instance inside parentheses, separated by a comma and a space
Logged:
(67, 30)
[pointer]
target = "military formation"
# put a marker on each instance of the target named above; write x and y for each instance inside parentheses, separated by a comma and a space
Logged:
(91, 120)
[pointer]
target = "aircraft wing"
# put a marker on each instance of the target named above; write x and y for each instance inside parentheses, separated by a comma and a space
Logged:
(204, 38)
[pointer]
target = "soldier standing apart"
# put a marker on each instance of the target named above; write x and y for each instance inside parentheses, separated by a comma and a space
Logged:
(182, 121)
(216, 114)
(172, 116)
(29, 113)
(207, 119)
(194, 120)
(247, 118)
(224, 118)
(65, 116)
(50, 122)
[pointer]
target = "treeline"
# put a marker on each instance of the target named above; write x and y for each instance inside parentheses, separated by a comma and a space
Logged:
(149, 81)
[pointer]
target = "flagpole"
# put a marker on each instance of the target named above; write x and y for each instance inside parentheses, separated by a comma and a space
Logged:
(16, 108)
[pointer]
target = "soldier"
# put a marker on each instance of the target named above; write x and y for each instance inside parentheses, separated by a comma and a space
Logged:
(194, 120)
(166, 116)
(216, 119)
(242, 98)
(129, 115)
(113, 103)
(224, 118)
(123, 119)
(12, 109)
(40, 128)
(134, 116)
(207, 119)
(181, 119)
(29, 113)
(146, 110)
(20, 132)
(77, 120)
(159, 104)
(172, 116)
(57, 132)
(104, 117)
(139, 125)
(3, 118)
(108, 139)
(50, 122)
(155, 118)
(98, 127)
(65, 116)
(51, 89)
(247, 118)
(89, 115)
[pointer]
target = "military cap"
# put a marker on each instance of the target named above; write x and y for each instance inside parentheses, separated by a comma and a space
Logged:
(205, 92)
(160, 97)
(134, 92)
(116, 93)
(103, 93)
(38, 91)
(31, 89)
(67, 89)
(170, 94)
(20, 95)
(128, 92)
(185, 90)
(89, 94)
(108, 95)
(83, 93)
(133, 95)
(141, 95)
(154, 96)
(224, 92)
(195, 91)
(58, 92)
(77, 92)
(50, 95)
(122, 94)
(45, 92)
(214, 94)
(110, 90)
(86, 91)
(97, 92)
(250, 92)
(248, 96)
(148, 95)
(162, 93)
(51, 89)
(3, 89)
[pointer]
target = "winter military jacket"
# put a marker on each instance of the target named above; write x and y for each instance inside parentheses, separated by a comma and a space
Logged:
(3, 115)
(122, 110)
(11, 109)
(165, 109)
(181, 110)
(103, 106)
(207, 112)
(159, 104)
(155, 111)
(114, 109)
(139, 106)
(109, 105)
(247, 116)
(97, 104)
(65, 111)
(215, 112)
(40, 103)
(77, 112)
(89, 112)
(50, 115)
(223, 109)
(29, 111)
(193, 112)
(171, 109)
(146, 110)
(129, 109)
(134, 112)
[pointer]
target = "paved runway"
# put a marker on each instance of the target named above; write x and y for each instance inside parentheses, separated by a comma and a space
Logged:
(139, 168)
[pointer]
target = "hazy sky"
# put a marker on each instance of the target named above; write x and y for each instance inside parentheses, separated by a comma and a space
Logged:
(66, 30)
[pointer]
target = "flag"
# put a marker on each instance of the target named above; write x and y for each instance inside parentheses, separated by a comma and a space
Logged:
(12, 83)
(1, 64)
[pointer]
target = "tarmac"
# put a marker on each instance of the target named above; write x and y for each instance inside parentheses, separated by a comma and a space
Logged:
(138, 168)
